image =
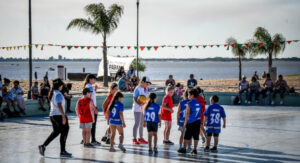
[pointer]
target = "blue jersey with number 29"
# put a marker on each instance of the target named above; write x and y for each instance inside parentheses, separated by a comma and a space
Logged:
(151, 113)
(115, 118)
(214, 113)
(195, 111)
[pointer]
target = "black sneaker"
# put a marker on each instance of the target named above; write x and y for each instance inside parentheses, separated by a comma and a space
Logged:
(169, 142)
(194, 152)
(104, 138)
(43, 109)
(88, 145)
(155, 150)
(107, 141)
(42, 149)
(65, 154)
(81, 142)
(165, 142)
(214, 149)
(206, 149)
(182, 150)
(95, 143)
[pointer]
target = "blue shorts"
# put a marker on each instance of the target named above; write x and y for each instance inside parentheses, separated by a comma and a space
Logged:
(213, 130)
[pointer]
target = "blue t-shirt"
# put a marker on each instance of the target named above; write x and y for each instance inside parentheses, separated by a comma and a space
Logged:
(121, 83)
(195, 111)
(214, 113)
(115, 118)
(182, 114)
(151, 114)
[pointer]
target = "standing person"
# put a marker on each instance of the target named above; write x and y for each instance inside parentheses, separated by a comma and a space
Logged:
(243, 88)
(112, 90)
(170, 81)
(137, 108)
(268, 90)
(18, 96)
(181, 118)
(281, 87)
(212, 120)
(166, 114)
(191, 83)
(202, 102)
(192, 121)
(89, 81)
(131, 71)
(44, 88)
(254, 88)
(58, 119)
(85, 111)
(67, 96)
(152, 120)
(116, 120)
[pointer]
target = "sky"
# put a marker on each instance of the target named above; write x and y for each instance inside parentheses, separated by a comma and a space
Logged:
(162, 22)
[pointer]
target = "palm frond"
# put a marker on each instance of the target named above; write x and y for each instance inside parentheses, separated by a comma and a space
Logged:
(262, 35)
(280, 44)
(84, 24)
(237, 50)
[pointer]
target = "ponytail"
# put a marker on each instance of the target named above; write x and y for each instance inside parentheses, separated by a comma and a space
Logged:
(152, 97)
(115, 98)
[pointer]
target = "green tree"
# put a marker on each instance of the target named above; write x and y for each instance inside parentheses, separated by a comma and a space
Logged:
(271, 46)
(141, 65)
(239, 51)
(100, 21)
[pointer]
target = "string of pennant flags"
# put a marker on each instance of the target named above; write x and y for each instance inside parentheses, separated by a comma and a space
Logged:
(69, 47)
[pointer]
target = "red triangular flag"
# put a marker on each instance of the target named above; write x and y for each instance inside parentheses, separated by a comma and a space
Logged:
(289, 42)
(128, 47)
(115, 46)
(42, 48)
(275, 43)
(211, 46)
(225, 45)
(155, 48)
(50, 44)
(88, 47)
(14, 47)
(232, 45)
(63, 46)
(261, 44)
(197, 46)
(182, 46)
(142, 48)
(76, 47)
(247, 45)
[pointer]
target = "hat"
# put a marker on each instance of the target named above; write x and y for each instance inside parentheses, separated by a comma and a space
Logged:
(146, 80)
(244, 77)
(57, 82)
(85, 91)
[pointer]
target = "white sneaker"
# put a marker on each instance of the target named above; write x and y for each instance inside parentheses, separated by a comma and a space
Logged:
(239, 101)
(246, 101)
(272, 103)
(249, 102)
(281, 102)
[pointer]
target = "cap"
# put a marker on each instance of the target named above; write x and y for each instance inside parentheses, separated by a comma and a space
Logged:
(146, 79)
(244, 77)
(57, 82)
(85, 91)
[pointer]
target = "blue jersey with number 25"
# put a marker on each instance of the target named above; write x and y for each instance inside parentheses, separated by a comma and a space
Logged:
(214, 113)
(151, 113)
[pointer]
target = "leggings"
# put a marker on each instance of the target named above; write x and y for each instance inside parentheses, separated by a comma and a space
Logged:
(58, 128)
(93, 131)
(138, 123)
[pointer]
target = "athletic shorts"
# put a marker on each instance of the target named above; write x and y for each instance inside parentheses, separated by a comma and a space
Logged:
(213, 130)
(212, 134)
(152, 126)
(86, 125)
(192, 131)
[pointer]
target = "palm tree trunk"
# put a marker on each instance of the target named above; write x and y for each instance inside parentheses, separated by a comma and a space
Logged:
(240, 68)
(105, 78)
(270, 61)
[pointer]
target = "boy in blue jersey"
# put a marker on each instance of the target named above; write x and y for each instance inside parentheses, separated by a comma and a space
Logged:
(152, 120)
(192, 122)
(212, 121)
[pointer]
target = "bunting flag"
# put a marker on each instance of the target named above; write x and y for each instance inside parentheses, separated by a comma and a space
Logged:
(227, 46)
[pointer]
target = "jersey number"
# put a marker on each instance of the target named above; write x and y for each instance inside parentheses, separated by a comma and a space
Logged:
(197, 110)
(114, 112)
(150, 115)
(215, 118)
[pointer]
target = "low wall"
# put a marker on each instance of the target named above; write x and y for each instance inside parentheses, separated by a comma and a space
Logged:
(32, 106)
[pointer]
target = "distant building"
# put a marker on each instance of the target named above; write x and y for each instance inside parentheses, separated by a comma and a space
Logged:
(60, 57)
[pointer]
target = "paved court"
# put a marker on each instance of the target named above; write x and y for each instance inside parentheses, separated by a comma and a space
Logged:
(253, 134)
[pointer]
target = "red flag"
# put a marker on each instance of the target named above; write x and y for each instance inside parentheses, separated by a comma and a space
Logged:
(197, 46)
(275, 43)
(115, 46)
(142, 48)
(63, 46)
(128, 47)
(7, 48)
(50, 44)
(76, 47)
(211, 46)
(247, 45)
(232, 45)
(261, 44)
(14, 47)
(155, 48)
(88, 47)
(225, 45)
(182, 46)
(289, 41)
(42, 48)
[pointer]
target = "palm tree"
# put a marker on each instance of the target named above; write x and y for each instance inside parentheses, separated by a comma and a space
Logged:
(265, 44)
(100, 21)
(239, 51)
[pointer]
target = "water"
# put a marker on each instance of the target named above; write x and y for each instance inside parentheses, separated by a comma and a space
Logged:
(156, 70)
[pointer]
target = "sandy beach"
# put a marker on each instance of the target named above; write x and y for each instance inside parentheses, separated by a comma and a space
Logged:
(221, 85)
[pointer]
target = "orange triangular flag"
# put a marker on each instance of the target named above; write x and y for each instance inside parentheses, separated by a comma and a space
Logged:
(142, 48)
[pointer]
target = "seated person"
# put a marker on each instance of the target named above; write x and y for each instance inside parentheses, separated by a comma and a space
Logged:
(131, 71)
(254, 88)
(123, 83)
(170, 81)
(134, 81)
(281, 87)
(243, 88)
(35, 91)
(255, 75)
(268, 84)
(8, 96)
(191, 83)
(18, 93)
(120, 73)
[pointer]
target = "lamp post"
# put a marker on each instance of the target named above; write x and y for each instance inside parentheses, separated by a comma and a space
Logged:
(30, 53)
(137, 38)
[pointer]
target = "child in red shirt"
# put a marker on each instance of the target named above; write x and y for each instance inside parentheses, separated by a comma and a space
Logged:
(85, 110)
(112, 91)
(202, 103)
(166, 113)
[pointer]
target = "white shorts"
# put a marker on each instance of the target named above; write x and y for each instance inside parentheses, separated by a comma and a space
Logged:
(86, 125)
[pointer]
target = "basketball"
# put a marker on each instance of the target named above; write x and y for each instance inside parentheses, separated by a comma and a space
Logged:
(142, 99)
